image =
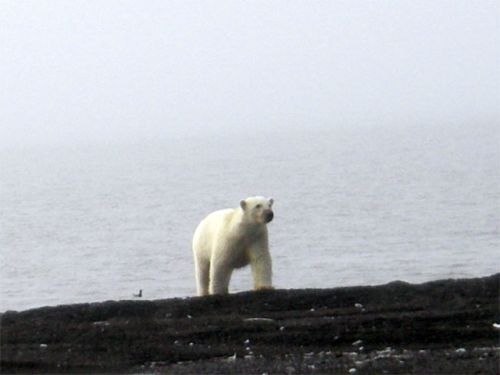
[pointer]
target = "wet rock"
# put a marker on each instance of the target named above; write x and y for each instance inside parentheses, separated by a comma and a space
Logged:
(406, 329)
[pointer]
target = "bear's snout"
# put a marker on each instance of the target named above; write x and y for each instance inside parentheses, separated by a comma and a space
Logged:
(269, 216)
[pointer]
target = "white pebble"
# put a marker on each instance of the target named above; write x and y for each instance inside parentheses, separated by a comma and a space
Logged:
(461, 351)
(282, 328)
(350, 354)
(496, 325)
(100, 323)
(43, 346)
(247, 341)
(352, 370)
(358, 305)
(357, 343)
(259, 320)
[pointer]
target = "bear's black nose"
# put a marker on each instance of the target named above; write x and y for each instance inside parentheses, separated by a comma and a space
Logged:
(269, 216)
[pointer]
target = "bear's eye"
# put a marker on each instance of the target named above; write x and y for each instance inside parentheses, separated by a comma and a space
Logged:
(258, 206)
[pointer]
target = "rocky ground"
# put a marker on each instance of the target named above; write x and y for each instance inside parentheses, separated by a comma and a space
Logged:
(441, 327)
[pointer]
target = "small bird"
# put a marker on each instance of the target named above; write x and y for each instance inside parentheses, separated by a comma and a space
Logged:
(139, 295)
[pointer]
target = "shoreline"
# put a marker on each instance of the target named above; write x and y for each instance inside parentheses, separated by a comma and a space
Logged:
(444, 326)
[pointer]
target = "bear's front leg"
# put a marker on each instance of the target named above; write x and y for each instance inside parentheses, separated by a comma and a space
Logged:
(260, 261)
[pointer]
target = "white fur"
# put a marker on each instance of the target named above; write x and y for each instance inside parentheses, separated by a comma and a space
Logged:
(233, 238)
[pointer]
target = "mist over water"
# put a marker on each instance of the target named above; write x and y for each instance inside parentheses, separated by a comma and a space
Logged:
(374, 125)
(357, 206)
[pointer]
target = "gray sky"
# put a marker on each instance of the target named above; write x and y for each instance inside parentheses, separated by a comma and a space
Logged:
(89, 69)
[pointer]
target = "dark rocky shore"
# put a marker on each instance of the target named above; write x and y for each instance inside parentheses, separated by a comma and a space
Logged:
(441, 327)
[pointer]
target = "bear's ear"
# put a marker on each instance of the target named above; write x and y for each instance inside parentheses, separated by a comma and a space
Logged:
(243, 204)
(271, 201)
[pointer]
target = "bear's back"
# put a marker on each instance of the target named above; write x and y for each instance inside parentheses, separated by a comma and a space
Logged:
(220, 217)
(213, 223)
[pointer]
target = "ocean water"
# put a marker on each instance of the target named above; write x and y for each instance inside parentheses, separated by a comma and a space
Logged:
(95, 222)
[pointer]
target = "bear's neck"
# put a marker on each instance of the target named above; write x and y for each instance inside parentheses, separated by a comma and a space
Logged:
(245, 222)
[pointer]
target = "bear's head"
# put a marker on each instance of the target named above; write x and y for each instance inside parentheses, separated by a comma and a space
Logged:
(258, 209)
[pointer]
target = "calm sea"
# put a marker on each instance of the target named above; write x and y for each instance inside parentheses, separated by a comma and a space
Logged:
(82, 223)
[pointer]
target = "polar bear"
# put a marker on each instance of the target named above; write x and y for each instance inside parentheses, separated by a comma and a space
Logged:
(233, 238)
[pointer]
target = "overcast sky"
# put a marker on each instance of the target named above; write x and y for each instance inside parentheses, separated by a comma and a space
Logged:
(90, 69)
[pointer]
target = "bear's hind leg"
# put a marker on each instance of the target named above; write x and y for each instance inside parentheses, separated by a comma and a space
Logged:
(202, 277)
(220, 275)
